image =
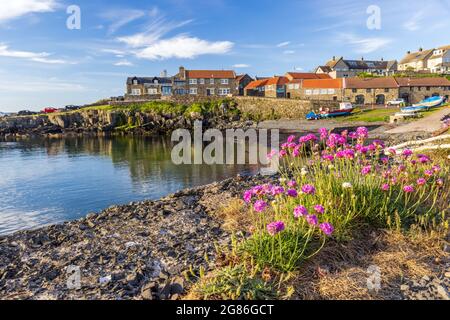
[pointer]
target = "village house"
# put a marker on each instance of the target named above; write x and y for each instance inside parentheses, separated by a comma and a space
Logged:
(205, 83)
(370, 91)
(256, 88)
(242, 81)
(413, 90)
(416, 61)
(343, 68)
(148, 88)
(276, 87)
(322, 89)
(294, 86)
(439, 62)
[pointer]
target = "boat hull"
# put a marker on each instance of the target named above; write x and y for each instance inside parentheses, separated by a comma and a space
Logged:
(331, 114)
(426, 104)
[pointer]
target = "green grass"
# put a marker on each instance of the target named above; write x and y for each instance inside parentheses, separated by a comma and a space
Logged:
(375, 115)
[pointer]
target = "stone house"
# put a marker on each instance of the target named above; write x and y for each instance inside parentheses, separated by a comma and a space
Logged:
(205, 83)
(148, 88)
(294, 86)
(416, 61)
(414, 90)
(323, 89)
(275, 87)
(344, 68)
(242, 81)
(370, 90)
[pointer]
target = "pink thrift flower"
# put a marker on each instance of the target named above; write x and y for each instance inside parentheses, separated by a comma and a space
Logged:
(292, 184)
(291, 139)
(319, 208)
(385, 187)
(308, 189)
(326, 228)
(366, 170)
(362, 132)
(248, 196)
(300, 211)
(275, 227)
(408, 189)
(421, 181)
(292, 193)
(260, 206)
(312, 220)
(407, 153)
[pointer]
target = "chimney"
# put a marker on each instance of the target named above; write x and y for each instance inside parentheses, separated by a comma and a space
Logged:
(408, 52)
(382, 59)
(362, 58)
(420, 49)
(182, 73)
(164, 74)
(334, 58)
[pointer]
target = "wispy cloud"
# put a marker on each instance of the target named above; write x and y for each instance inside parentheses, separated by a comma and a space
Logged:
(152, 44)
(365, 45)
(413, 23)
(241, 65)
(289, 52)
(121, 17)
(42, 57)
(283, 44)
(16, 8)
(41, 85)
(123, 63)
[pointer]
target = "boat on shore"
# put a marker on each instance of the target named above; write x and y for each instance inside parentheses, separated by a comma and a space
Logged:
(345, 109)
(425, 104)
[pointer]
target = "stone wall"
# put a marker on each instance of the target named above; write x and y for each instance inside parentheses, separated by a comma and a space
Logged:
(271, 108)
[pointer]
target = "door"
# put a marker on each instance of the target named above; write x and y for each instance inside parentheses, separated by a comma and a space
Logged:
(381, 99)
(360, 99)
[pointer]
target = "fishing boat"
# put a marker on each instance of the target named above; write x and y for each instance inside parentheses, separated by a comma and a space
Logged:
(345, 109)
(425, 104)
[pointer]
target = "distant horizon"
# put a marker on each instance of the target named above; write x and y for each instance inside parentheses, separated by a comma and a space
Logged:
(54, 54)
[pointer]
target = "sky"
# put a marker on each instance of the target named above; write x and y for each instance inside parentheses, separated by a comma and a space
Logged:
(52, 56)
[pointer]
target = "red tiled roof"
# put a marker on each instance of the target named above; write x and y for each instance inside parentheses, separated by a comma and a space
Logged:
(371, 83)
(423, 82)
(307, 75)
(256, 84)
(210, 74)
(323, 83)
(277, 80)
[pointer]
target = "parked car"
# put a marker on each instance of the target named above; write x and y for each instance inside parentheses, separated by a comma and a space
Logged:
(72, 107)
(397, 102)
(49, 110)
(26, 113)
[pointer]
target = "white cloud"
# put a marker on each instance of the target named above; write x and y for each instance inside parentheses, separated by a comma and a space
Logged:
(241, 65)
(289, 52)
(283, 44)
(11, 9)
(413, 23)
(42, 57)
(41, 85)
(151, 44)
(365, 45)
(124, 63)
(183, 46)
(298, 69)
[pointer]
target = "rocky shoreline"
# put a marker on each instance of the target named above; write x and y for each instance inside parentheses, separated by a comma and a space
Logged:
(135, 251)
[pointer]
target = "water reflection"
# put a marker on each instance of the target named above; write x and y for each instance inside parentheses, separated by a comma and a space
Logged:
(45, 181)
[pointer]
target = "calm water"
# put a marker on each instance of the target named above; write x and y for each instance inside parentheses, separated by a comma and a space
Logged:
(50, 181)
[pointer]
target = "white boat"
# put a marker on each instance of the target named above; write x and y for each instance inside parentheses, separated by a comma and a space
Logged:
(425, 104)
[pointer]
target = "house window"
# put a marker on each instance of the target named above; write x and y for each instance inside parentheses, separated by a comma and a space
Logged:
(192, 90)
(331, 91)
(211, 91)
(297, 86)
(354, 90)
(223, 81)
(152, 91)
(211, 81)
(136, 92)
(202, 81)
(316, 92)
(386, 90)
(224, 91)
(368, 90)
(308, 92)
(135, 81)
(428, 88)
(192, 81)
(291, 86)
(323, 91)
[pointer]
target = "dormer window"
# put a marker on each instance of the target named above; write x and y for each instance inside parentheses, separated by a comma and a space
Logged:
(135, 81)
(155, 81)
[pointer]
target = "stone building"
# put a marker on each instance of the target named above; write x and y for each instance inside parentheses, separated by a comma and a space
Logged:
(344, 68)
(370, 91)
(256, 88)
(323, 89)
(148, 88)
(414, 90)
(206, 83)
(415, 61)
(294, 86)
(242, 81)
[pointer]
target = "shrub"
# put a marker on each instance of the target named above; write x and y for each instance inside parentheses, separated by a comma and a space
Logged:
(332, 184)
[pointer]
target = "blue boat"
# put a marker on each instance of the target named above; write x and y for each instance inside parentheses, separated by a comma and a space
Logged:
(345, 109)
(425, 104)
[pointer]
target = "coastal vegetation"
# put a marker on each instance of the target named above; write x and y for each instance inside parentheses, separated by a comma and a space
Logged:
(334, 190)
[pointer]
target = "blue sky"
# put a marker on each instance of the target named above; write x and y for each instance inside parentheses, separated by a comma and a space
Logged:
(43, 63)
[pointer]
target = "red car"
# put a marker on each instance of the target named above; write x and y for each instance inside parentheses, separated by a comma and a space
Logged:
(49, 110)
